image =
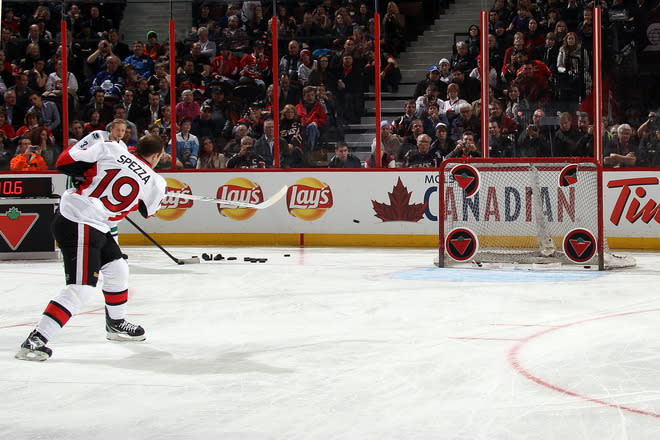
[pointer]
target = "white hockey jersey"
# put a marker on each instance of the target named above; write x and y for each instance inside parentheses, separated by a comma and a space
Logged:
(97, 136)
(114, 184)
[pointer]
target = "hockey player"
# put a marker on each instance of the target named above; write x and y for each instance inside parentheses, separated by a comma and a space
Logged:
(111, 182)
(115, 133)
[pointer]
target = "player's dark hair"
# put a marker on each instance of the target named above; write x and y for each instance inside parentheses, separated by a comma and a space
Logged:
(148, 145)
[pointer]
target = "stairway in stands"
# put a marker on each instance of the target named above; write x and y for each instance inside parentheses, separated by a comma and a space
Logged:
(143, 16)
(434, 44)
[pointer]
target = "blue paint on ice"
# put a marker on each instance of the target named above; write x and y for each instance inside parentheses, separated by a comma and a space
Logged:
(496, 275)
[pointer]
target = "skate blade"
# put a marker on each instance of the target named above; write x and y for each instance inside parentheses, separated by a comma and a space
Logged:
(123, 338)
(25, 354)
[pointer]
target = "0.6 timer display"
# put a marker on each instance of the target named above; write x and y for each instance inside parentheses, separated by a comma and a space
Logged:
(25, 187)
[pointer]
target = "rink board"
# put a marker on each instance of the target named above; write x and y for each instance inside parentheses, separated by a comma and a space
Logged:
(384, 208)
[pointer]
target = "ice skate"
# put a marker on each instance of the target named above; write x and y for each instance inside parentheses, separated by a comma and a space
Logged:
(34, 348)
(122, 330)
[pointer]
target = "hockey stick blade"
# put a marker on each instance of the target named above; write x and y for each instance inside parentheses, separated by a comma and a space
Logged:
(265, 204)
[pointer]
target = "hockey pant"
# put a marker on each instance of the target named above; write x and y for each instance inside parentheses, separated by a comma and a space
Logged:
(86, 252)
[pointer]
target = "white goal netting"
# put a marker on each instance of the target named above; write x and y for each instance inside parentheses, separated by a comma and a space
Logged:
(536, 211)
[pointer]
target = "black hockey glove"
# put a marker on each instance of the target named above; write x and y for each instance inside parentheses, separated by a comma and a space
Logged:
(76, 181)
(142, 209)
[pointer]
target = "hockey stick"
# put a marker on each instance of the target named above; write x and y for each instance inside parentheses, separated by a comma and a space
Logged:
(193, 260)
(265, 204)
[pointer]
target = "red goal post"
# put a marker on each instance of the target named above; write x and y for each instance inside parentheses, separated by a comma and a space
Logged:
(523, 211)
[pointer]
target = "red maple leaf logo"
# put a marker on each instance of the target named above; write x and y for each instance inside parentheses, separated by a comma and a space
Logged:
(400, 208)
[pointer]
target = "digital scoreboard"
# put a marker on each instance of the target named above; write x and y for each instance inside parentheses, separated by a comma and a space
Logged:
(27, 208)
(25, 187)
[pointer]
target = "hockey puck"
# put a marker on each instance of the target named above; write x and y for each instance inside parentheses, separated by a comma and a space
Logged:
(248, 258)
(219, 257)
(287, 255)
(231, 258)
(206, 257)
(356, 220)
(262, 260)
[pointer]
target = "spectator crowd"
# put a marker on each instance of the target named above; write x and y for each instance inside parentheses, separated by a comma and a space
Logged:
(540, 56)
(540, 91)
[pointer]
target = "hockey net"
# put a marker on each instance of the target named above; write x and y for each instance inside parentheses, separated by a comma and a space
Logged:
(523, 211)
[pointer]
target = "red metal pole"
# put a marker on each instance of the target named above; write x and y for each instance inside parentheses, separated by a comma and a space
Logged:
(276, 98)
(597, 91)
(485, 69)
(377, 153)
(65, 88)
(172, 94)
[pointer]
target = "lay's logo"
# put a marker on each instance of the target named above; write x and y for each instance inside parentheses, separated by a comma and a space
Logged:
(171, 208)
(240, 190)
(308, 199)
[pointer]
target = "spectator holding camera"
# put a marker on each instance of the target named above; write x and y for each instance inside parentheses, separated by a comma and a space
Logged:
(28, 157)
(534, 140)
(246, 157)
(466, 147)
(649, 126)
(97, 59)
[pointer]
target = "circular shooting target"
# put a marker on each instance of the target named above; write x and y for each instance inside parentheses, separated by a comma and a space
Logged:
(579, 245)
(461, 244)
(467, 177)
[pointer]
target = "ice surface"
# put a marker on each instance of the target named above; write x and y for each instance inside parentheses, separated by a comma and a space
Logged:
(339, 344)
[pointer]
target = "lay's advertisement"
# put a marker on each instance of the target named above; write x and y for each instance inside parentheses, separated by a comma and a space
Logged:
(374, 208)
(324, 208)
